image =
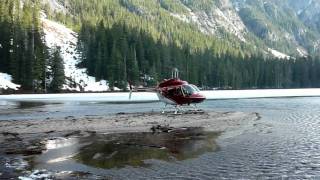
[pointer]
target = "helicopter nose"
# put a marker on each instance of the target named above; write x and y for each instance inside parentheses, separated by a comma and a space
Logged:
(198, 98)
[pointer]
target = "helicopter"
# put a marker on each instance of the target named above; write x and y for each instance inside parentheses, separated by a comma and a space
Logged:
(177, 93)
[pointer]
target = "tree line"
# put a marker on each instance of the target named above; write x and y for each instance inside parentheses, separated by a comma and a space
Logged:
(122, 54)
(23, 52)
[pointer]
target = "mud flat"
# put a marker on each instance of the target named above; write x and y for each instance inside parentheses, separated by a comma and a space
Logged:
(133, 122)
(95, 140)
(25, 137)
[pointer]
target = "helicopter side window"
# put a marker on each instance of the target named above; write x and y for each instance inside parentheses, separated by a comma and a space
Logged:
(188, 90)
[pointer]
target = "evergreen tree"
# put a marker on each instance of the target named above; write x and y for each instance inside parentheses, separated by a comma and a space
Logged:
(133, 69)
(58, 77)
(22, 50)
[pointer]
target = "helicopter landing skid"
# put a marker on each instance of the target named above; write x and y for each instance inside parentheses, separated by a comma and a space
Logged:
(179, 110)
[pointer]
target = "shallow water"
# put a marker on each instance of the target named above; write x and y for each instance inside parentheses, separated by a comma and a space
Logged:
(107, 151)
(285, 143)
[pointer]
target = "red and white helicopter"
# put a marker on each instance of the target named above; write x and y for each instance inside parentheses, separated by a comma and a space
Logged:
(177, 93)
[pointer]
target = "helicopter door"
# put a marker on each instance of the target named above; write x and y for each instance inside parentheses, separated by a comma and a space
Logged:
(179, 91)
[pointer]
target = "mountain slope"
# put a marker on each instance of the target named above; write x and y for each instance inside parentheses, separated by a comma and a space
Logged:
(76, 78)
(289, 26)
(279, 25)
(214, 43)
(219, 17)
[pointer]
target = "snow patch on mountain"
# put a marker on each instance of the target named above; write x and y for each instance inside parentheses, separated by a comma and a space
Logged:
(316, 44)
(302, 52)
(6, 82)
(181, 17)
(77, 79)
(278, 54)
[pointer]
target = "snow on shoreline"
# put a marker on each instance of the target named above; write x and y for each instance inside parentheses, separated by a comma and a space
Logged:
(6, 82)
(59, 35)
(149, 96)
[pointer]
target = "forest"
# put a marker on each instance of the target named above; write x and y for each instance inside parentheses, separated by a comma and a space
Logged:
(23, 53)
(122, 55)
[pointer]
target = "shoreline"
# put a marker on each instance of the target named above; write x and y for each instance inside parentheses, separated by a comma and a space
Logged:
(23, 140)
(27, 137)
(131, 122)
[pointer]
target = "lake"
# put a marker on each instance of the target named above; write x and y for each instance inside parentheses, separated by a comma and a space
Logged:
(285, 143)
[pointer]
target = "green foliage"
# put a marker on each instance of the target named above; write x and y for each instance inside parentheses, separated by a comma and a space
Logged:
(175, 6)
(135, 56)
(205, 5)
(58, 77)
(22, 52)
(253, 23)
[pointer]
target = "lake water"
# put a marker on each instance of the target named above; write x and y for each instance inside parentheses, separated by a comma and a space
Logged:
(285, 143)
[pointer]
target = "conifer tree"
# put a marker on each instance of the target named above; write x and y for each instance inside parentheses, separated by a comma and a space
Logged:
(133, 69)
(58, 77)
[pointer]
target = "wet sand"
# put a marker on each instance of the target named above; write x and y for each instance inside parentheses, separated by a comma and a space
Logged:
(25, 137)
(30, 137)
(230, 123)
(132, 122)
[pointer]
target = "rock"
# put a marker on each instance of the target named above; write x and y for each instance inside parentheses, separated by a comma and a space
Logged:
(91, 132)
(10, 134)
(69, 117)
(159, 128)
(48, 132)
(72, 133)
(25, 152)
(112, 154)
(97, 156)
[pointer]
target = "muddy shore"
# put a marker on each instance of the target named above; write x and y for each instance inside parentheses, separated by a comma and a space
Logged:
(30, 137)
(132, 122)
(229, 123)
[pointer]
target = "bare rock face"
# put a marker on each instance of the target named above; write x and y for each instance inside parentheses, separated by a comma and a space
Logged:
(56, 5)
(220, 16)
(263, 19)
(310, 14)
(267, 20)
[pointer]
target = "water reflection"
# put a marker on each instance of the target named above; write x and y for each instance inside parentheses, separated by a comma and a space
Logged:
(119, 150)
(57, 143)
(27, 104)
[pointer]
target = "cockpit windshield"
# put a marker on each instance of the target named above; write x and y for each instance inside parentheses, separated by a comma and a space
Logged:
(189, 89)
(195, 87)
